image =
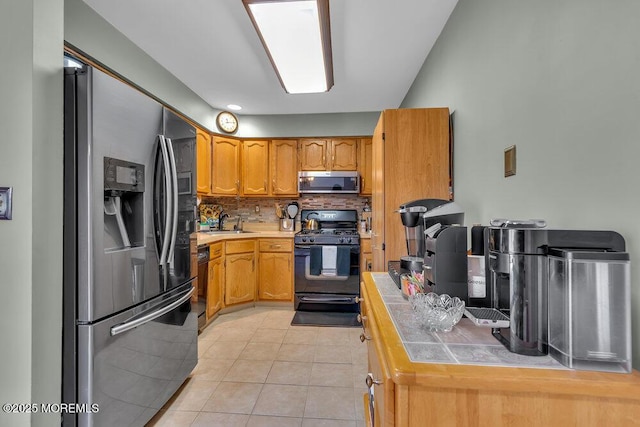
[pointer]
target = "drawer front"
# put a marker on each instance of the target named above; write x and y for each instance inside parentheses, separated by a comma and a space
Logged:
(365, 245)
(215, 250)
(240, 246)
(276, 245)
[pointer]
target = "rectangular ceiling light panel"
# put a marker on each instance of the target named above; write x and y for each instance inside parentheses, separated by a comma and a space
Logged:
(296, 35)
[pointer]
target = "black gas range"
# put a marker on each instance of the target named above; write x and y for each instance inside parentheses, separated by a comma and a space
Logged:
(326, 296)
(336, 227)
(327, 237)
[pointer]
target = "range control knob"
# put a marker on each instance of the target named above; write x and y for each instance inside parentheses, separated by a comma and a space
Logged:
(311, 239)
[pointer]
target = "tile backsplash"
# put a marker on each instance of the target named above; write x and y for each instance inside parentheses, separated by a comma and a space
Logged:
(266, 207)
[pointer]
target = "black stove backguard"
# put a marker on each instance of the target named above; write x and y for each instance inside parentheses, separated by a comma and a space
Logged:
(331, 219)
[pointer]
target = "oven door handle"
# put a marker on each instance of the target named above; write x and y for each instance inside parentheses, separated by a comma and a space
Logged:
(343, 300)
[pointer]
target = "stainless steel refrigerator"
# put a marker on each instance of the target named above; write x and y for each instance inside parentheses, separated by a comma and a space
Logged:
(129, 335)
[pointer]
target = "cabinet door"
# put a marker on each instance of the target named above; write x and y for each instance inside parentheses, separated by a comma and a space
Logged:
(365, 165)
(203, 162)
(365, 255)
(377, 198)
(225, 179)
(284, 167)
(240, 278)
(255, 168)
(344, 154)
(313, 154)
(215, 286)
(276, 276)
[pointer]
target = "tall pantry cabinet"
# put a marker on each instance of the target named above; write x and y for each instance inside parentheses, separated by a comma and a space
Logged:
(411, 160)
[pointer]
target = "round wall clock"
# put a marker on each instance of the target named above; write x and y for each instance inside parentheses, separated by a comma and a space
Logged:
(227, 122)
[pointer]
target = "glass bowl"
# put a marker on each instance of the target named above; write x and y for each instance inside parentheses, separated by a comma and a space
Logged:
(439, 313)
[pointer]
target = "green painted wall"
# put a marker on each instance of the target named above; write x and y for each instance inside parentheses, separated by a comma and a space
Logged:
(31, 34)
(561, 81)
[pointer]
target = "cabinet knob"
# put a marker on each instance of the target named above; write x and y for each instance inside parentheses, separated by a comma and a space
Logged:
(364, 338)
(370, 381)
(359, 299)
(361, 318)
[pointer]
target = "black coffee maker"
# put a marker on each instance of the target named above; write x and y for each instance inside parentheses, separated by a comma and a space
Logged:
(411, 214)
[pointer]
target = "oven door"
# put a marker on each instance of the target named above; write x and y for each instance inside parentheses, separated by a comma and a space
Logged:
(326, 293)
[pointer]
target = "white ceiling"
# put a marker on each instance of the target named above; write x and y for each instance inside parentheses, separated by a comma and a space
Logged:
(211, 46)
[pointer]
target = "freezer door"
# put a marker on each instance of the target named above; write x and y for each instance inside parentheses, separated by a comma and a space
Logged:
(135, 361)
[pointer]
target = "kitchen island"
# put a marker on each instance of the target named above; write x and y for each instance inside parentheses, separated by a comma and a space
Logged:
(467, 378)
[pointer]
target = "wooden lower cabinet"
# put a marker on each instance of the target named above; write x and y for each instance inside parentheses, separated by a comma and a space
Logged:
(366, 257)
(215, 279)
(275, 281)
(411, 394)
(240, 272)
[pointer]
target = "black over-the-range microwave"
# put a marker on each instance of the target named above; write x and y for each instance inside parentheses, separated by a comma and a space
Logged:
(329, 182)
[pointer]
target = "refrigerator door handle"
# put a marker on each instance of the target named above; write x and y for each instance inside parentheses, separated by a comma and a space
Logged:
(139, 320)
(174, 184)
(168, 200)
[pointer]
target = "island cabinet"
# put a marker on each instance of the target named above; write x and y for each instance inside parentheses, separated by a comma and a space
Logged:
(225, 176)
(240, 271)
(275, 282)
(410, 385)
(203, 162)
(337, 154)
(215, 279)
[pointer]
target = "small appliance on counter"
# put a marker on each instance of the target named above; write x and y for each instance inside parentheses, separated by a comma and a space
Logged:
(566, 293)
(412, 216)
(445, 260)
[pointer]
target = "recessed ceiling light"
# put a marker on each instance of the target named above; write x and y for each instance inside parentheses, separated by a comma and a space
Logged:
(297, 37)
(234, 107)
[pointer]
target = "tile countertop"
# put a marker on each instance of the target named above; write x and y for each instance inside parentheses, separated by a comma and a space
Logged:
(466, 344)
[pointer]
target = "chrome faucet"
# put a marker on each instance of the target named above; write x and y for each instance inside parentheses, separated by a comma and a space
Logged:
(238, 226)
(221, 218)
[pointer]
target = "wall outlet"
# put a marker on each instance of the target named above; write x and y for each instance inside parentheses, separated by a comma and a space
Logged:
(257, 208)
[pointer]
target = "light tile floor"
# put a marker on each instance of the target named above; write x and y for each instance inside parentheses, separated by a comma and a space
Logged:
(255, 369)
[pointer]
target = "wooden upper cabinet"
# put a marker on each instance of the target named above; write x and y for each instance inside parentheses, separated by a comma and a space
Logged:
(338, 154)
(225, 176)
(364, 166)
(400, 138)
(344, 154)
(203, 162)
(284, 167)
(313, 154)
(255, 168)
